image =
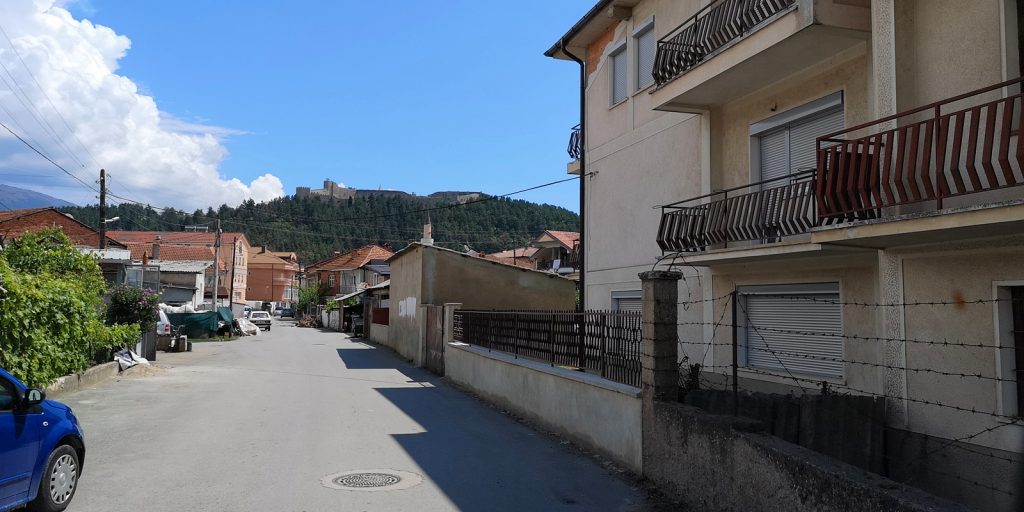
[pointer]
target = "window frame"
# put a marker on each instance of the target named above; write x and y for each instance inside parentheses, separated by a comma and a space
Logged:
(643, 28)
(624, 294)
(615, 51)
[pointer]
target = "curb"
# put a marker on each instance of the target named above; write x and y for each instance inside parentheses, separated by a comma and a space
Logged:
(77, 381)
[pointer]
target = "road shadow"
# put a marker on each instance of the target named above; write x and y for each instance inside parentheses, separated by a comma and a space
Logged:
(483, 459)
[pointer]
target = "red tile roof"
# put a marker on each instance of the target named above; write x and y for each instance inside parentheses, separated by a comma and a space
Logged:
(16, 222)
(353, 259)
(170, 252)
(174, 237)
(566, 238)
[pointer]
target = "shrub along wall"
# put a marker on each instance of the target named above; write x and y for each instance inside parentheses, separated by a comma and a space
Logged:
(51, 309)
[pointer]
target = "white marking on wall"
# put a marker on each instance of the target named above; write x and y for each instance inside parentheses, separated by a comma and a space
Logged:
(407, 307)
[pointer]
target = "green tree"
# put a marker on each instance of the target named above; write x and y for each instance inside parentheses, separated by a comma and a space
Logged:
(51, 309)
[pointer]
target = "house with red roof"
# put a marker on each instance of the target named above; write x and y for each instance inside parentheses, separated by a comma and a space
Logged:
(349, 272)
(553, 250)
(234, 254)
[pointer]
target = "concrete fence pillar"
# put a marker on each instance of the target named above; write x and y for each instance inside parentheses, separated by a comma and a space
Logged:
(659, 361)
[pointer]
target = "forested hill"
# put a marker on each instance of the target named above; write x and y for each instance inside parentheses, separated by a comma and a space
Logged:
(315, 228)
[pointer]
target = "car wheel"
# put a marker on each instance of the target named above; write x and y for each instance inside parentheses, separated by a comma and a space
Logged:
(59, 482)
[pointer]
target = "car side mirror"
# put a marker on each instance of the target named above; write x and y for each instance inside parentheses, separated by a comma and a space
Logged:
(33, 397)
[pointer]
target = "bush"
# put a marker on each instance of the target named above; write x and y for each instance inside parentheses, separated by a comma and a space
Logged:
(130, 305)
(51, 312)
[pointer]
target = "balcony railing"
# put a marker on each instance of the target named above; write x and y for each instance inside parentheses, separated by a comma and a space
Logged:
(764, 211)
(711, 28)
(950, 148)
(963, 145)
(574, 148)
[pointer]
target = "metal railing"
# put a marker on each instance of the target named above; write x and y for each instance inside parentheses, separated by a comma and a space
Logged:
(766, 211)
(710, 29)
(607, 343)
(927, 155)
(574, 148)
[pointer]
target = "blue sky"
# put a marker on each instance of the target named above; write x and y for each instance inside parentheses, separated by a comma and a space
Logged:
(408, 95)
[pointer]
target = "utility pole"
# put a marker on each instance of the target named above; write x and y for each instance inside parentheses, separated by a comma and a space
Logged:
(103, 209)
(216, 266)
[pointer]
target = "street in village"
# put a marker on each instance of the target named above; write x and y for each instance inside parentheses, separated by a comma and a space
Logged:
(258, 423)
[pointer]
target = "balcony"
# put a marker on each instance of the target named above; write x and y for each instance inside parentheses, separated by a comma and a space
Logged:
(957, 156)
(575, 151)
(731, 48)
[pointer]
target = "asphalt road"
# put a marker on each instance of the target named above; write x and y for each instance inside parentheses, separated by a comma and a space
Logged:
(256, 424)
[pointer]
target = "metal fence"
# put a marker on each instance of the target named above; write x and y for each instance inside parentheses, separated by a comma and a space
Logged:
(606, 343)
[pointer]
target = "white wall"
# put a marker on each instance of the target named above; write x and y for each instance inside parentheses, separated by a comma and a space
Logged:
(600, 414)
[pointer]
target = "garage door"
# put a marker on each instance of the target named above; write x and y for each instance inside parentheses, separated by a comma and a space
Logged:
(789, 329)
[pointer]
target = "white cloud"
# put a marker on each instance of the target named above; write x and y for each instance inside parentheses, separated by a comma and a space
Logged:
(154, 156)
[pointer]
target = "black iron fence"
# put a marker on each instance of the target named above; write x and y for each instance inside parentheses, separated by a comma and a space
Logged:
(607, 343)
(574, 149)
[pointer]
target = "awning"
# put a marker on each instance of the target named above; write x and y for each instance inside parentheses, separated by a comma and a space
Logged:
(353, 294)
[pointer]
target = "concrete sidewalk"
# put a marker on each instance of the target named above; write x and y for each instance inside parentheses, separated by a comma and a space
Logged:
(257, 424)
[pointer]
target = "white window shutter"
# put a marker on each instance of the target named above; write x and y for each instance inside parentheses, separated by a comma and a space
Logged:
(804, 134)
(646, 46)
(793, 333)
(774, 154)
(619, 76)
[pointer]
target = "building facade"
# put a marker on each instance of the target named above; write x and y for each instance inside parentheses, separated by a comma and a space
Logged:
(841, 177)
(271, 276)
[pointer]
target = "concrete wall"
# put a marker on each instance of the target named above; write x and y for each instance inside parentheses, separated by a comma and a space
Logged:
(430, 275)
(379, 333)
(599, 414)
(722, 463)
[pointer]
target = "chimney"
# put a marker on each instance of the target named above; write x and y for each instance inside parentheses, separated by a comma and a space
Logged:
(428, 233)
(156, 251)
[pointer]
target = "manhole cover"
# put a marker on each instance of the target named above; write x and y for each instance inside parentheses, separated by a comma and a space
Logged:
(368, 480)
(371, 480)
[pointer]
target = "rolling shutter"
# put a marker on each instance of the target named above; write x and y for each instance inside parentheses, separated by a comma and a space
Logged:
(628, 305)
(804, 134)
(619, 76)
(788, 331)
(774, 157)
(646, 48)
(793, 147)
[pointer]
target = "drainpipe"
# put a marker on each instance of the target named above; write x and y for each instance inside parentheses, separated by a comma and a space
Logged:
(583, 173)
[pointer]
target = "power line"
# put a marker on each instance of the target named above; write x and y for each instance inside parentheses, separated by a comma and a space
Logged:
(46, 95)
(48, 159)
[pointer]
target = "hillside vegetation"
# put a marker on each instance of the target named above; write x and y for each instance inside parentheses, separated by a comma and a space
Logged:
(315, 228)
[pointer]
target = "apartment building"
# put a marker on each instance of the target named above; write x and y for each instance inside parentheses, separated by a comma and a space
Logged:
(843, 176)
(271, 276)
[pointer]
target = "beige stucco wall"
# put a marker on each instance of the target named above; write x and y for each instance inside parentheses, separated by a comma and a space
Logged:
(946, 47)
(602, 415)
(428, 275)
(730, 124)
(640, 158)
(956, 272)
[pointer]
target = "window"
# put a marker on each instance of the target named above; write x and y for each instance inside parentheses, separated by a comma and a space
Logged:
(8, 396)
(646, 48)
(791, 329)
(330, 280)
(618, 59)
(627, 301)
(787, 143)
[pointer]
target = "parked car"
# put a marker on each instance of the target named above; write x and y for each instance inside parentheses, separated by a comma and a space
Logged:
(163, 325)
(278, 310)
(287, 313)
(261, 319)
(42, 449)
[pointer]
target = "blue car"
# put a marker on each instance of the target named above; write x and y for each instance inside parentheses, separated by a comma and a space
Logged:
(41, 449)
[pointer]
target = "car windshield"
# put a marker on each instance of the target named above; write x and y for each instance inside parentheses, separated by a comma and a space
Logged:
(259, 314)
